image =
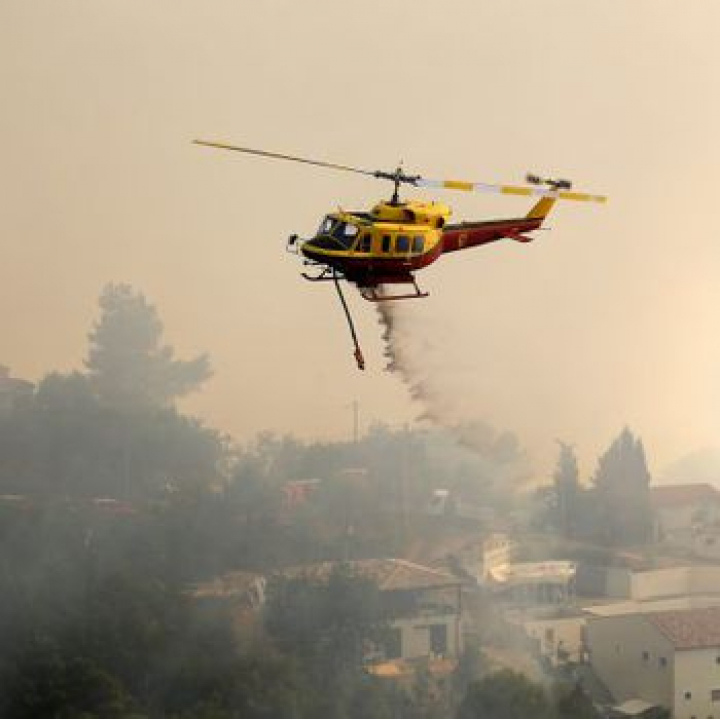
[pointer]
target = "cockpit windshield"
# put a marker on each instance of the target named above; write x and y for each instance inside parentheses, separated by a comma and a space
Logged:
(343, 234)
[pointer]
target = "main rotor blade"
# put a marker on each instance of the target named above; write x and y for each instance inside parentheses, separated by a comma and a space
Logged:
(509, 190)
(279, 156)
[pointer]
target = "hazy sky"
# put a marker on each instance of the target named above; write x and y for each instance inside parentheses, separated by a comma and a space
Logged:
(611, 318)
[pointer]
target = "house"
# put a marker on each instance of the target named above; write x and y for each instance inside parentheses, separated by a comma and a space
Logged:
(425, 604)
(524, 583)
(560, 640)
(668, 658)
(706, 543)
(681, 508)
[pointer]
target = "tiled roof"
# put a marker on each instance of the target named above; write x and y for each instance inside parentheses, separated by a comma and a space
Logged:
(673, 495)
(231, 584)
(690, 628)
(388, 574)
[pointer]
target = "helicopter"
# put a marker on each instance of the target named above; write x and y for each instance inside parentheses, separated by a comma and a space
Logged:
(387, 245)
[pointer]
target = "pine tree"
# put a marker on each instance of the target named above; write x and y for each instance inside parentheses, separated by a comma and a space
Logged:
(622, 491)
(567, 489)
(128, 366)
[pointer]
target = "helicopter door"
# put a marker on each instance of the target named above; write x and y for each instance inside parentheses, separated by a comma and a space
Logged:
(365, 244)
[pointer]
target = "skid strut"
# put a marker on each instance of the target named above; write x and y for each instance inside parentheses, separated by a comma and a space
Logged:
(358, 352)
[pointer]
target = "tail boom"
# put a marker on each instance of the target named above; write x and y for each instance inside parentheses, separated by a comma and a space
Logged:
(474, 234)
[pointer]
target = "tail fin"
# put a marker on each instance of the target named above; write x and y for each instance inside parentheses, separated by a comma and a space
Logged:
(541, 210)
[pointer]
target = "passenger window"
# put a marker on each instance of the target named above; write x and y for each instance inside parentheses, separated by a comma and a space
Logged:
(386, 243)
(365, 243)
(418, 244)
(402, 243)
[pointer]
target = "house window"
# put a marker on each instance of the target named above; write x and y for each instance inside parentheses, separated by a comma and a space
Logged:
(438, 639)
(715, 695)
(688, 695)
(662, 662)
(402, 243)
(646, 657)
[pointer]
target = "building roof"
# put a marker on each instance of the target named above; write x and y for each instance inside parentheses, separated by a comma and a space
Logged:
(389, 574)
(675, 495)
(634, 707)
(228, 586)
(689, 629)
(632, 606)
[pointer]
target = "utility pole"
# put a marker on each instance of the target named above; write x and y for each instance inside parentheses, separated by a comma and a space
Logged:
(356, 421)
(405, 478)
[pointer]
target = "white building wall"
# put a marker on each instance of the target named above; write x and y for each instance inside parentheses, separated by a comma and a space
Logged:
(673, 519)
(675, 582)
(706, 544)
(675, 524)
(697, 674)
(632, 658)
(567, 634)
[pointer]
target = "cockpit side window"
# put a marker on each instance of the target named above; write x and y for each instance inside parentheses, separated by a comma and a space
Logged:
(325, 226)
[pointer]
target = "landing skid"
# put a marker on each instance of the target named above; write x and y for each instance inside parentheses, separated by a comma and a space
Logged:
(371, 294)
(329, 274)
(326, 275)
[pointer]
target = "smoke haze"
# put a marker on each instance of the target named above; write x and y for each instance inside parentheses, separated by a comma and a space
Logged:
(605, 321)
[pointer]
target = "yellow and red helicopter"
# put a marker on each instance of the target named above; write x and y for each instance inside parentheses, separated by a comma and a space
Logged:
(396, 238)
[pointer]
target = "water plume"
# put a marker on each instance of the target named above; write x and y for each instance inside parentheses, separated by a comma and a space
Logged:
(442, 386)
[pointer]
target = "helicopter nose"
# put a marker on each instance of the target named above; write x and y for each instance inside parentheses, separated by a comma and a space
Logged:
(304, 246)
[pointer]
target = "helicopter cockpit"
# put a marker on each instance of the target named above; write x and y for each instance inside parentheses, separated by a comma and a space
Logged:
(335, 234)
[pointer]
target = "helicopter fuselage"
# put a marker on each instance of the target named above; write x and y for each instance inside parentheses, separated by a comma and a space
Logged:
(387, 245)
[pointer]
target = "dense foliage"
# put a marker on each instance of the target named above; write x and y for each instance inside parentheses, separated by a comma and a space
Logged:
(114, 505)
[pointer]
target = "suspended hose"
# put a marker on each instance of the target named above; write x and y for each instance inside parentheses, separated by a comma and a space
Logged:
(358, 352)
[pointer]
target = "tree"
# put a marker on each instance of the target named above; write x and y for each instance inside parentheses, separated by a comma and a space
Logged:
(622, 491)
(128, 365)
(331, 623)
(505, 695)
(575, 704)
(567, 489)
